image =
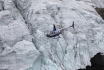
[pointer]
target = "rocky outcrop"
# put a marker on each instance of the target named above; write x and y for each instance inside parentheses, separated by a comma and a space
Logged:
(97, 63)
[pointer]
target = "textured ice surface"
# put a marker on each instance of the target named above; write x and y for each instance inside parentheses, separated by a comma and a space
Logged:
(24, 24)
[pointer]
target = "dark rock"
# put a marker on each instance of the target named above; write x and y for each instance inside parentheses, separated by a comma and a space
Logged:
(97, 63)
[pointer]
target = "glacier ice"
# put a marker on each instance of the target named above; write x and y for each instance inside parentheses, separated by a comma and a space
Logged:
(25, 23)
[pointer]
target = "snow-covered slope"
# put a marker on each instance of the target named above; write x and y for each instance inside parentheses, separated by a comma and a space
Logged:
(95, 3)
(98, 3)
(24, 24)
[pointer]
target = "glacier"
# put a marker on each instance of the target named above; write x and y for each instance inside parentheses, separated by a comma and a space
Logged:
(25, 23)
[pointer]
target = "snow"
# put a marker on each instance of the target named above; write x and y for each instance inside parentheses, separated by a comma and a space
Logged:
(17, 58)
(25, 23)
